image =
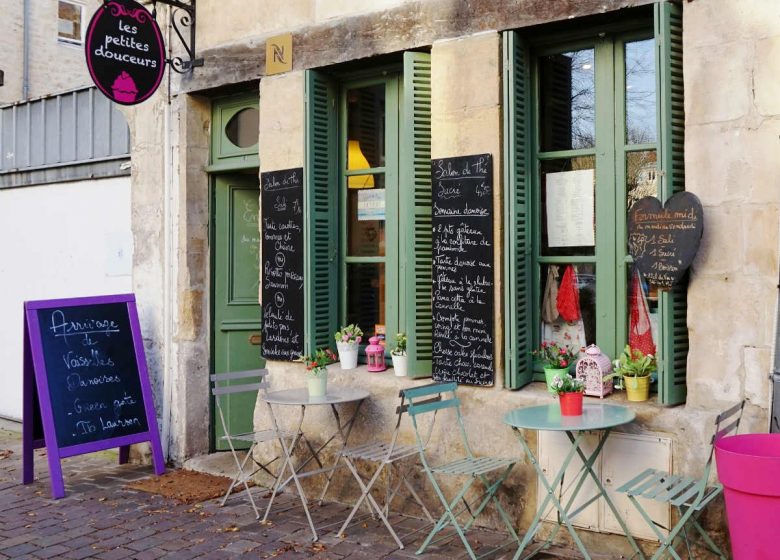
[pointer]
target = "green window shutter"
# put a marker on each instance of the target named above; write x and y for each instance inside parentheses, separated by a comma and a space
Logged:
(415, 210)
(673, 347)
(517, 216)
(321, 212)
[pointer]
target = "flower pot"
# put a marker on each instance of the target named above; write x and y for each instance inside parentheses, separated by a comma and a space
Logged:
(318, 385)
(747, 468)
(571, 403)
(637, 388)
(400, 365)
(549, 375)
(348, 354)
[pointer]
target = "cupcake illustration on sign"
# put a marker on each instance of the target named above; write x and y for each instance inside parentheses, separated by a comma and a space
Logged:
(124, 88)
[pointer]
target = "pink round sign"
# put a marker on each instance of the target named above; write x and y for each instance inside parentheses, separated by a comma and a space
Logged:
(125, 52)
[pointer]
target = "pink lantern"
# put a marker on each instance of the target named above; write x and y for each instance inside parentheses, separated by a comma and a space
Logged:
(375, 355)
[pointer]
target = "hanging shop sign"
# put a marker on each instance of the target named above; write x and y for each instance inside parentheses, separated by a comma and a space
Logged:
(463, 269)
(86, 386)
(125, 52)
(663, 240)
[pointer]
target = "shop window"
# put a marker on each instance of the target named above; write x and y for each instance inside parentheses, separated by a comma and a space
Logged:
(368, 156)
(594, 123)
(69, 22)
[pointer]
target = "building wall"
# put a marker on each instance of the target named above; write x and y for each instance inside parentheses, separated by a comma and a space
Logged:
(732, 113)
(59, 256)
(54, 66)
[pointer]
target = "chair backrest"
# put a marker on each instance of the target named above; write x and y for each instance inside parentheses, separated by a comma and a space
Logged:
(428, 400)
(249, 381)
(726, 424)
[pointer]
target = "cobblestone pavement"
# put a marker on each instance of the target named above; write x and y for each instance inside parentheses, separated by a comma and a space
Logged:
(100, 518)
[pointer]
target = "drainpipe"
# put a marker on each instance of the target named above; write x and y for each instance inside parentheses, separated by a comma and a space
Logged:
(26, 52)
(774, 419)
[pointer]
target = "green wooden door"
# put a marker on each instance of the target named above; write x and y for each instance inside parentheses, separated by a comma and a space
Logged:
(236, 305)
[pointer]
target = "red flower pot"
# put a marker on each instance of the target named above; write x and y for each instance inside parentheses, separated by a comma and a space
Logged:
(571, 403)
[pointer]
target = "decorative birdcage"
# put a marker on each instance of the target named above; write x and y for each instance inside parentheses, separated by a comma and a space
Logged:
(592, 370)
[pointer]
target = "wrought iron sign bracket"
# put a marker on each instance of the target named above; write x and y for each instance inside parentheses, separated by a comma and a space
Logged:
(182, 20)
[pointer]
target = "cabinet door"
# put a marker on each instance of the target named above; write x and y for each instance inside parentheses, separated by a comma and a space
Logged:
(624, 456)
(553, 447)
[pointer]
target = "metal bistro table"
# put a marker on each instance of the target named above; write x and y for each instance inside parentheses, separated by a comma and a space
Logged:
(595, 417)
(300, 398)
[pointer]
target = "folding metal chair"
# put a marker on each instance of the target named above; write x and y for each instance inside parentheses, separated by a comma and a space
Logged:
(250, 382)
(688, 495)
(428, 400)
(386, 455)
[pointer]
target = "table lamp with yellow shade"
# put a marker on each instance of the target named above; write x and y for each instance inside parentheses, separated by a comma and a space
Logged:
(356, 160)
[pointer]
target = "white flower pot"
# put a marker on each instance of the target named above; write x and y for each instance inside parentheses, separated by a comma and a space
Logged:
(400, 364)
(317, 385)
(348, 354)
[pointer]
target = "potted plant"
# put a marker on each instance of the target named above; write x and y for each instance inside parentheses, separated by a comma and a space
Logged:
(399, 355)
(347, 340)
(635, 368)
(316, 372)
(570, 391)
(556, 360)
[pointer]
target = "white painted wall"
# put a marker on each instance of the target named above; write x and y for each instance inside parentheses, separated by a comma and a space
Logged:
(63, 240)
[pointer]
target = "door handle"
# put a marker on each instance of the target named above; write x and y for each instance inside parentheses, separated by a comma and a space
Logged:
(255, 339)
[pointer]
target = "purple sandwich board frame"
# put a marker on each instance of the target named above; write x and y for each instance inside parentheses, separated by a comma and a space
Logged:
(86, 385)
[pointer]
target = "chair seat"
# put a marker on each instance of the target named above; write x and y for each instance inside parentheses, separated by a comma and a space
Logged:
(379, 452)
(473, 466)
(665, 487)
(259, 436)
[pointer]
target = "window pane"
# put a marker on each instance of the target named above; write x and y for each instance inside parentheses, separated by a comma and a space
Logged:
(567, 101)
(243, 128)
(366, 215)
(568, 210)
(640, 92)
(366, 127)
(366, 296)
(641, 176)
(568, 304)
(642, 312)
(69, 22)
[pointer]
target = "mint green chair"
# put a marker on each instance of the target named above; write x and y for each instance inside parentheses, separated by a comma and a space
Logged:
(688, 495)
(423, 405)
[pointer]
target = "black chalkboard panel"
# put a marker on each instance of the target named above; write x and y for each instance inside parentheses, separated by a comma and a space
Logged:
(664, 240)
(282, 254)
(86, 385)
(92, 373)
(463, 269)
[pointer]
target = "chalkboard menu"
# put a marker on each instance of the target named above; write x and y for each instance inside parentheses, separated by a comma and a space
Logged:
(664, 240)
(282, 250)
(463, 269)
(85, 381)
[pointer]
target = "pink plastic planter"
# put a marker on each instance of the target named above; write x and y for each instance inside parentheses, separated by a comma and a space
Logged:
(749, 469)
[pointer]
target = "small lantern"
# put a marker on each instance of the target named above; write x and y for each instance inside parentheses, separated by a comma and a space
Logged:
(375, 354)
(592, 368)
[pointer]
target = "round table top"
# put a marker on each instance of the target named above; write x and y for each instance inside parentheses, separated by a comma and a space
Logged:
(300, 396)
(595, 416)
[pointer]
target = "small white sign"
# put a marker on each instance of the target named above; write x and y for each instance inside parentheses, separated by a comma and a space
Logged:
(570, 196)
(371, 205)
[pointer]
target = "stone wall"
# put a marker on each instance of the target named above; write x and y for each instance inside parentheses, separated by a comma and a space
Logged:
(55, 66)
(732, 140)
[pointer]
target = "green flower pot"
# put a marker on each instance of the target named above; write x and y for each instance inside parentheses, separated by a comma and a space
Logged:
(549, 375)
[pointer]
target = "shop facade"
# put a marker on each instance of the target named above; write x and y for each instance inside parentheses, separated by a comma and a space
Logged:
(637, 97)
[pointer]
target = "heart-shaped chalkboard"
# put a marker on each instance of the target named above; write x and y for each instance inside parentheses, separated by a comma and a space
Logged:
(664, 239)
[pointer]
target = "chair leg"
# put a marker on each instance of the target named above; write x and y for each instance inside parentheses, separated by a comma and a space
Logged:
(705, 537)
(241, 477)
(448, 513)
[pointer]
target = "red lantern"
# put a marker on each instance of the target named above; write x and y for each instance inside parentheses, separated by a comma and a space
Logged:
(375, 355)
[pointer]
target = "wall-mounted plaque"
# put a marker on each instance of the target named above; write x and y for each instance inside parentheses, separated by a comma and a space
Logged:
(663, 240)
(125, 52)
(463, 269)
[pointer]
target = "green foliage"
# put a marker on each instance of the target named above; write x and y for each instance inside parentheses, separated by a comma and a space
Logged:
(567, 384)
(633, 363)
(315, 363)
(554, 356)
(400, 345)
(349, 334)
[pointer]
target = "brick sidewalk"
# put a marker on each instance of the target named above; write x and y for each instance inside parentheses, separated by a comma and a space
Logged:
(100, 518)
